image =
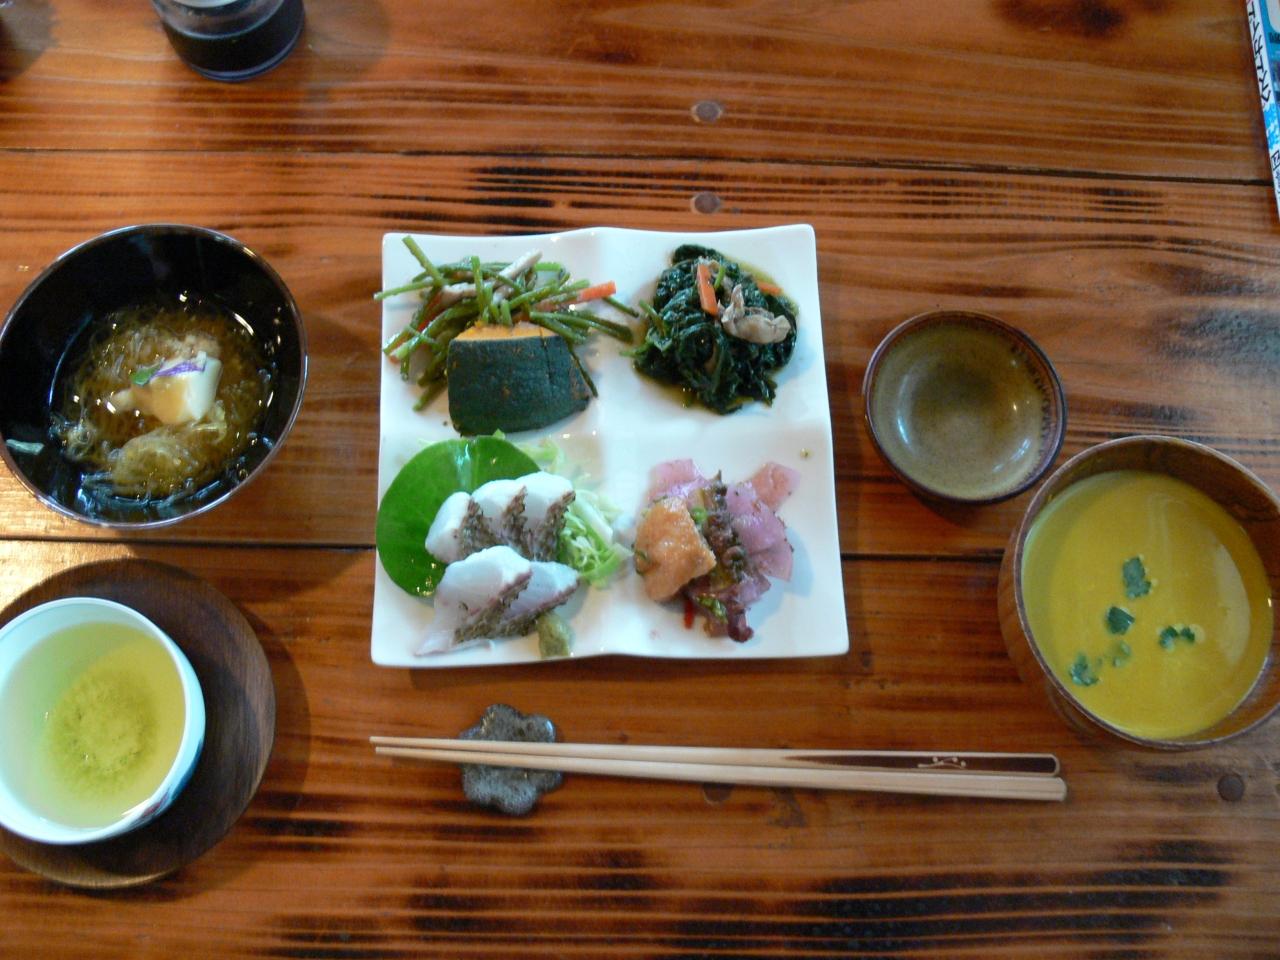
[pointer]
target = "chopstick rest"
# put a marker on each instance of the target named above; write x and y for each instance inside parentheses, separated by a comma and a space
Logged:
(512, 790)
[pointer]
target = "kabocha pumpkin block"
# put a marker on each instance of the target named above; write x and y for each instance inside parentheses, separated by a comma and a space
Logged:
(512, 379)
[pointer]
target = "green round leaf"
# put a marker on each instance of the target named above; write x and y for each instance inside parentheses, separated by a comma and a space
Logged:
(415, 495)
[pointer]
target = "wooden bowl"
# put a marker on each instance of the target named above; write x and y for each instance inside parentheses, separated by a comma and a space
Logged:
(963, 407)
(240, 728)
(1239, 492)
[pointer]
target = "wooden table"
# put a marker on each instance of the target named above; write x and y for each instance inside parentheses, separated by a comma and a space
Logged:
(1094, 172)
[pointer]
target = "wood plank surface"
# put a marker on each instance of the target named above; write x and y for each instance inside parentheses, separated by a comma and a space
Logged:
(1173, 285)
(386, 859)
(1157, 87)
(1093, 171)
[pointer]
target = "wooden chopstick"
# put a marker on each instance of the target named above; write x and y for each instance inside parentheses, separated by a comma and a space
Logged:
(1026, 764)
(748, 766)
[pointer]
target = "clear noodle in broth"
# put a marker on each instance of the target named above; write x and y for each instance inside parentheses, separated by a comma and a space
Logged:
(134, 454)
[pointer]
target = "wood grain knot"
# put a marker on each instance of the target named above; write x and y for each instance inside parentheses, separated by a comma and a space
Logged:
(1231, 787)
(706, 202)
(1092, 19)
(707, 111)
(716, 793)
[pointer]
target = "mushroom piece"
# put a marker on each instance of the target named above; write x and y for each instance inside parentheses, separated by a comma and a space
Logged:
(752, 324)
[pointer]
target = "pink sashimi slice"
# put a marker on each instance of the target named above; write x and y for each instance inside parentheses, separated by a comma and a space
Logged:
(773, 483)
(746, 591)
(671, 474)
(752, 588)
(758, 528)
(776, 561)
(736, 599)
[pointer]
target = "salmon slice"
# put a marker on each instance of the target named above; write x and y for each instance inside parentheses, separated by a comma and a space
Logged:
(669, 549)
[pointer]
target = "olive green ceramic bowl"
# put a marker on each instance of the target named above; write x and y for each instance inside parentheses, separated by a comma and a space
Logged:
(964, 407)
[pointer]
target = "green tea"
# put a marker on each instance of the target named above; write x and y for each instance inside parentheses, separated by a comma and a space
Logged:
(95, 716)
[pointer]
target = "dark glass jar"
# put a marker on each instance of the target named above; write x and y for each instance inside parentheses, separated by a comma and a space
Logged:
(231, 39)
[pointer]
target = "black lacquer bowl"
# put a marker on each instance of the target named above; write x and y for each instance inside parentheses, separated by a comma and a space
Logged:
(116, 270)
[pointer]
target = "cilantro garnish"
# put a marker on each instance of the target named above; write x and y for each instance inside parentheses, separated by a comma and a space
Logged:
(1172, 635)
(714, 607)
(1119, 620)
(1136, 583)
(1083, 673)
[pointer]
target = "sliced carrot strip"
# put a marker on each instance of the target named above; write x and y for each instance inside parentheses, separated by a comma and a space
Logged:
(428, 313)
(706, 292)
(770, 288)
(598, 292)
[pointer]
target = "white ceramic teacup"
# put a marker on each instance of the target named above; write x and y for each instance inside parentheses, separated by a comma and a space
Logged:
(27, 632)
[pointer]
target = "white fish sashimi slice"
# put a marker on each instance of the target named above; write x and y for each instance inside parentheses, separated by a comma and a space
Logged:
(547, 497)
(551, 585)
(445, 538)
(473, 597)
(501, 504)
(544, 492)
(526, 513)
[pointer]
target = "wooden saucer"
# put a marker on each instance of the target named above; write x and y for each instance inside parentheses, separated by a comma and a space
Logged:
(240, 706)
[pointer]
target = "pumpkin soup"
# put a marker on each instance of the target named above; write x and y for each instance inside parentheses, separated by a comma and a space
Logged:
(1148, 601)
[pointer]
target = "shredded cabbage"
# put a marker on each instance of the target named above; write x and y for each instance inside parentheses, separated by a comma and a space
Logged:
(546, 453)
(587, 541)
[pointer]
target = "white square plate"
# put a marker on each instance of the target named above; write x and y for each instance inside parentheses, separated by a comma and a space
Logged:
(633, 425)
